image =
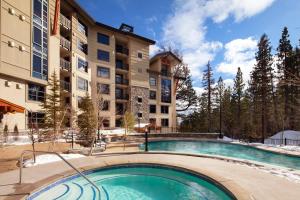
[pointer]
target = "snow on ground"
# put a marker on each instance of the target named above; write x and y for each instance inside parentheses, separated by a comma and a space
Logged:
(49, 158)
(19, 140)
(288, 134)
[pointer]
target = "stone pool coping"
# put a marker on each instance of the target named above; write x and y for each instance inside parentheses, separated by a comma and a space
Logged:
(243, 182)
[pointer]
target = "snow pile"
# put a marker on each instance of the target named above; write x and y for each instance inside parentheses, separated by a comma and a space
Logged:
(49, 158)
(19, 140)
(288, 134)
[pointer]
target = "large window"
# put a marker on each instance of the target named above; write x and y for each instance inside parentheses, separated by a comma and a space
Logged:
(40, 39)
(82, 28)
(82, 65)
(103, 72)
(35, 119)
(103, 55)
(102, 38)
(164, 109)
(152, 94)
(164, 122)
(152, 81)
(82, 46)
(36, 92)
(105, 106)
(82, 84)
(166, 90)
(152, 108)
(103, 88)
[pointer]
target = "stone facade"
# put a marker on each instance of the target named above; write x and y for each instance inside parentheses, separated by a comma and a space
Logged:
(138, 93)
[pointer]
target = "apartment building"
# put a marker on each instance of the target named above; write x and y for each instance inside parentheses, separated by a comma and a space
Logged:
(39, 37)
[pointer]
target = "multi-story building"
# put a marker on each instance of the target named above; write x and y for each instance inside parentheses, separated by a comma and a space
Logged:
(39, 37)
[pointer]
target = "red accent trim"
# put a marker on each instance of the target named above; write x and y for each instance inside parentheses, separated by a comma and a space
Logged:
(55, 22)
(7, 106)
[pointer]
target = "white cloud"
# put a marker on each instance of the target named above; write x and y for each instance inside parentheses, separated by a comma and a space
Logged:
(239, 53)
(185, 28)
(153, 49)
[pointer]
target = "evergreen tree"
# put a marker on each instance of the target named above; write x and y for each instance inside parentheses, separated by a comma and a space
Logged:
(220, 93)
(238, 92)
(227, 117)
(53, 108)
(208, 82)
(261, 85)
(87, 121)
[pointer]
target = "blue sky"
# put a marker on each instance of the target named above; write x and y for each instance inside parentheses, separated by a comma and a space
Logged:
(225, 32)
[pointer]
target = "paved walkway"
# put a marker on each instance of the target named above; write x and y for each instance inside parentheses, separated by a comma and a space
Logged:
(245, 182)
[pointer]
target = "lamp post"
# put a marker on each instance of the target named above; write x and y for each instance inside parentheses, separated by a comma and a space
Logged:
(146, 139)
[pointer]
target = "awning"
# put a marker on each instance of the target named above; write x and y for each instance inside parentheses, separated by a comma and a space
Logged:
(8, 107)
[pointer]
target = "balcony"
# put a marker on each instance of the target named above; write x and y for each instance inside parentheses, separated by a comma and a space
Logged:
(122, 50)
(65, 65)
(65, 22)
(122, 97)
(165, 73)
(122, 66)
(64, 43)
(66, 86)
(122, 81)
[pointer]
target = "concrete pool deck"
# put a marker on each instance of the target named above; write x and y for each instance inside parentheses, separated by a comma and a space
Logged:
(244, 182)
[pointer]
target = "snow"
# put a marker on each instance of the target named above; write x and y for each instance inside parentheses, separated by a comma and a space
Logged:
(288, 134)
(49, 158)
(19, 140)
(227, 139)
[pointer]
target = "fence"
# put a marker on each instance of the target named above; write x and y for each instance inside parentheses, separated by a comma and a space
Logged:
(285, 141)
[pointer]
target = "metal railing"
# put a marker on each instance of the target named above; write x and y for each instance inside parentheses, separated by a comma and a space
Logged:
(65, 43)
(122, 50)
(122, 66)
(65, 22)
(122, 81)
(65, 65)
(67, 162)
(65, 85)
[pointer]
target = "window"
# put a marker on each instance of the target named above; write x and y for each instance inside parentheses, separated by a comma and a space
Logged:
(152, 121)
(164, 109)
(82, 46)
(105, 106)
(103, 55)
(82, 65)
(164, 70)
(166, 90)
(164, 122)
(36, 92)
(152, 81)
(40, 39)
(82, 84)
(103, 72)
(152, 94)
(105, 123)
(140, 55)
(103, 88)
(102, 38)
(35, 119)
(79, 99)
(140, 100)
(140, 115)
(82, 28)
(152, 108)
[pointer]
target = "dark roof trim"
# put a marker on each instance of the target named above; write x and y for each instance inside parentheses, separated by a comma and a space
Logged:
(125, 33)
(81, 11)
(166, 53)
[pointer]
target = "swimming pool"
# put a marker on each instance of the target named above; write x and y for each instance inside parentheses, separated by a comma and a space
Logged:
(227, 149)
(141, 182)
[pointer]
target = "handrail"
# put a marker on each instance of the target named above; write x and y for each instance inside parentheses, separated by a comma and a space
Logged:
(68, 163)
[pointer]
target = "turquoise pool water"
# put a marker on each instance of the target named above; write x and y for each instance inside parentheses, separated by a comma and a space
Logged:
(134, 183)
(227, 149)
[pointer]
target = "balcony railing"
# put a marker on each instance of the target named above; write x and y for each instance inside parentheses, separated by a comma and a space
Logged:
(122, 97)
(122, 50)
(165, 73)
(64, 43)
(65, 22)
(120, 111)
(65, 85)
(65, 65)
(122, 81)
(122, 66)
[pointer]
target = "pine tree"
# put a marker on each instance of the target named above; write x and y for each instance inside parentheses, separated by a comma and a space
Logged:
(261, 85)
(227, 117)
(220, 93)
(87, 121)
(238, 92)
(53, 108)
(285, 72)
(208, 82)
